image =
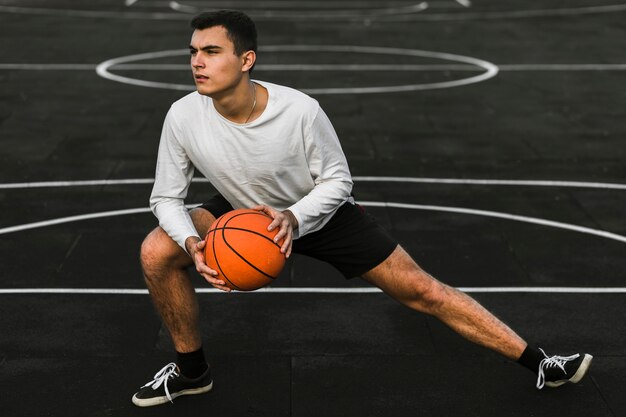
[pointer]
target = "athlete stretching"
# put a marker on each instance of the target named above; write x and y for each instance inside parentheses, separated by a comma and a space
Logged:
(272, 148)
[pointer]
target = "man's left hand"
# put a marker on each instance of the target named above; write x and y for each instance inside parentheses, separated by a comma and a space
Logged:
(285, 221)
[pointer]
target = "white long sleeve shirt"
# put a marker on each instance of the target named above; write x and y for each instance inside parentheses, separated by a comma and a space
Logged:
(288, 158)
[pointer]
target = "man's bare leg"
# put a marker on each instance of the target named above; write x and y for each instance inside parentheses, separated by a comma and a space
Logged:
(401, 278)
(165, 265)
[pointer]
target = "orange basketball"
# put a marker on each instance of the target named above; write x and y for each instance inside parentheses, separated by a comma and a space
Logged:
(240, 248)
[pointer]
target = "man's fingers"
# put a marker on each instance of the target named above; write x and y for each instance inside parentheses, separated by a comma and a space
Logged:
(283, 223)
(217, 283)
(277, 222)
(204, 269)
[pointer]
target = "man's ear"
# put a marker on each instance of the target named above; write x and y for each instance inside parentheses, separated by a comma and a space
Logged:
(248, 60)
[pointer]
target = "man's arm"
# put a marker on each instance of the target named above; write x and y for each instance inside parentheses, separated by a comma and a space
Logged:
(329, 169)
(174, 172)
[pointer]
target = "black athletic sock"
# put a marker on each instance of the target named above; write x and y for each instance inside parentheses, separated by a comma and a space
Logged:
(192, 364)
(531, 357)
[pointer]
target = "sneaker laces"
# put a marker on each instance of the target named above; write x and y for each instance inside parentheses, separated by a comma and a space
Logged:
(552, 362)
(161, 378)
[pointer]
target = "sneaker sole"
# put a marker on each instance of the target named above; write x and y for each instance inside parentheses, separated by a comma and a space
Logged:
(149, 402)
(580, 373)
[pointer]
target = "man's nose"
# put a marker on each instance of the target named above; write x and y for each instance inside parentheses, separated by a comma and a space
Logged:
(196, 61)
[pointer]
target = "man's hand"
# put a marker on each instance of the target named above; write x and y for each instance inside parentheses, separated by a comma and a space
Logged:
(285, 221)
(195, 248)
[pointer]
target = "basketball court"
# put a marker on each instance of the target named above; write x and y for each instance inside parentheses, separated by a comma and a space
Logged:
(486, 136)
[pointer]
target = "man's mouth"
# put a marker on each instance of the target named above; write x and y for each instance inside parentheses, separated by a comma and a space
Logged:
(200, 77)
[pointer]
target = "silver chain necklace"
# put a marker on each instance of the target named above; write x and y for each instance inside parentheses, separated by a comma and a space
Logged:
(253, 104)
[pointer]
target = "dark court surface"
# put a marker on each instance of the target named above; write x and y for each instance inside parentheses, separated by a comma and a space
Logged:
(492, 147)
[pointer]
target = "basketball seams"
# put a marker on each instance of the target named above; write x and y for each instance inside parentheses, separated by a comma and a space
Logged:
(226, 227)
(217, 262)
(241, 229)
(243, 258)
(248, 257)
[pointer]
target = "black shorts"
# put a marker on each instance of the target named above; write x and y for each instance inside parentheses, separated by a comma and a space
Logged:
(352, 241)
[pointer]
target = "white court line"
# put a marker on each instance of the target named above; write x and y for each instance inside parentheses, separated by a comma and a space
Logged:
(290, 4)
(318, 290)
(46, 67)
(446, 209)
(314, 67)
(71, 219)
(511, 14)
(54, 184)
(326, 14)
(499, 215)
(259, 67)
(470, 181)
(464, 3)
(416, 180)
(105, 14)
(323, 67)
(490, 70)
(562, 67)
(129, 3)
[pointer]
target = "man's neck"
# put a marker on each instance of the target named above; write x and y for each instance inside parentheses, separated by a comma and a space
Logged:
(237, 104)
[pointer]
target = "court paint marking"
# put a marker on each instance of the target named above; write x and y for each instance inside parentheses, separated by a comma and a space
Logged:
(510, 14)
(464, 3)
(490, 70)
(323, 67)
(469, 181)
(46, 67)
(562, 67)
(326, 14)
(317, 290)
(41, 11)
(416, 180)
(500, 215)
(445, 209)
(71, 219)
(259, 67)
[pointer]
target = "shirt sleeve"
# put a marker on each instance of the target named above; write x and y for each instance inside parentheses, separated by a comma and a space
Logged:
(174, 172)
(329, 170)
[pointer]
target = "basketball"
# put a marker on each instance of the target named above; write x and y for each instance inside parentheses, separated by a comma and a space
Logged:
(242, 251)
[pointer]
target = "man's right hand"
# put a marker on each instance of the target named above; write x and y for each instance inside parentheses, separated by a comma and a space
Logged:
(195, 248)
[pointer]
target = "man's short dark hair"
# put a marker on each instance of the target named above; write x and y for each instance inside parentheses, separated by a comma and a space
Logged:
(239, 27)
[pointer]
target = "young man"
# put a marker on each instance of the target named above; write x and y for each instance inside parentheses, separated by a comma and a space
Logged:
(272, 148)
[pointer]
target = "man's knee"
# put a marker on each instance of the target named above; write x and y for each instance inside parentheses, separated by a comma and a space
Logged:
(425, 293)
(404, 280)
(159, 251)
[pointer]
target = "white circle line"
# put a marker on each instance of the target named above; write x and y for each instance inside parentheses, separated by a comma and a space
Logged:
(470, 181)
(42, 11)
(491, 70)
(501, 215)
(417, 180)
(457, 210)
(102, 70)
(72, 219)
(316, 290)
(510, 14)
(312, 14)
(325, 67)
(507, 14)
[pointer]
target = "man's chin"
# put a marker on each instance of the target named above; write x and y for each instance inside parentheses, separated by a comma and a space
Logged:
(203, 89)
